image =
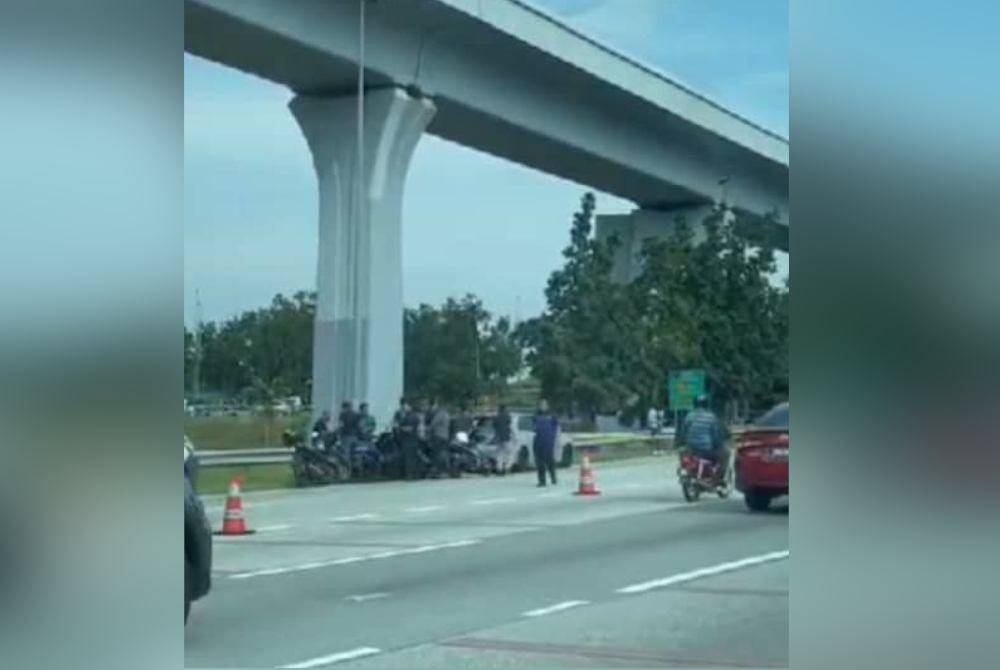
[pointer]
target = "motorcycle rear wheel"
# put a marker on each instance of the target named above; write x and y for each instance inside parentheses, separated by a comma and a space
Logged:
(690, 490)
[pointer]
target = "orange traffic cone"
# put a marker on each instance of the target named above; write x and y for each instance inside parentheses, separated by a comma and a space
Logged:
(233, 522)
(588, 487)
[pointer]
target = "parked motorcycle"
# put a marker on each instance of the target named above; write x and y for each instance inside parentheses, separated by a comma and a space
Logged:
(466, 456)
(318, 463)
(699, 475)
(365, 459)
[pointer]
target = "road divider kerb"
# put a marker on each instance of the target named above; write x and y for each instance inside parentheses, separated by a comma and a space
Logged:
(722, 568)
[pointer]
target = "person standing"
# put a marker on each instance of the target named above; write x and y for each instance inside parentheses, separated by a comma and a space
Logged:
(409, 429)
(503, 435)
(366, 423)
(544, 446)
(440, 425)
(652, 421)
(400, 415)
(462, 422)
(322, 428)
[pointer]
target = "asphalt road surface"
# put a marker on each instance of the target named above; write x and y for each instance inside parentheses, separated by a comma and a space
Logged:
(496, 573)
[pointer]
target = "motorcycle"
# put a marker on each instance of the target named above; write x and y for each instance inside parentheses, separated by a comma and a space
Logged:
(464, 455)
(318, 463)
(699, 475)
(366, 459)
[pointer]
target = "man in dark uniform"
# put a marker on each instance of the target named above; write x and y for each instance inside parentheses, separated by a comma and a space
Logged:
(409, 436)
(503, 437)
(544, 446)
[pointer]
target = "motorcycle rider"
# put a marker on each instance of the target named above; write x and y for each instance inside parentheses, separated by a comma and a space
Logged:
(323, 430)
(462, 421)
(704, 434)
(366, 423)
(348, 430)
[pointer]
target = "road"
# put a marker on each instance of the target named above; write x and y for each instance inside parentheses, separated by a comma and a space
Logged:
(496, 573)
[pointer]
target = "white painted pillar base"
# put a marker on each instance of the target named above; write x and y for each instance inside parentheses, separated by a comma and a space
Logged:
(642, 224)
(358, 335)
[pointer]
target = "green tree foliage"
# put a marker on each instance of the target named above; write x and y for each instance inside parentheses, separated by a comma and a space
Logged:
(455, 353)
(265, 352)
(458, 352)
(603, 346)
(580, 348)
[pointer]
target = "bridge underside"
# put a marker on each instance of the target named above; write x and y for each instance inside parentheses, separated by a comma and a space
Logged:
(495, 94)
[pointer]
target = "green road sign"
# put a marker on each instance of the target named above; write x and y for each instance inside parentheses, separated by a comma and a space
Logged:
(684, 386)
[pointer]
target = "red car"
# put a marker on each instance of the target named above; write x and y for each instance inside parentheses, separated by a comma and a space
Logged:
(762, 459)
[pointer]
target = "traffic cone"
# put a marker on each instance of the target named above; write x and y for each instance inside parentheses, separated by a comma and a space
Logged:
(588, 487)
(233, 522)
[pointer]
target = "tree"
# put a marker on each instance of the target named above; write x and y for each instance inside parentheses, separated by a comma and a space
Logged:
(579, 348)
(457, 352)
(708, 304)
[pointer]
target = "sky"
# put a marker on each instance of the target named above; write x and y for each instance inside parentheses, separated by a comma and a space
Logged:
(250, 201)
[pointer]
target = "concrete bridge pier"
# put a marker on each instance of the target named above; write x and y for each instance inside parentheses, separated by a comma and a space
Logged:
(642, 224)
(358, 335)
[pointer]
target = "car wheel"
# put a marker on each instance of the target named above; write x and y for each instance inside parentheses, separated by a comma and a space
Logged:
(757, 501)
(187, 589)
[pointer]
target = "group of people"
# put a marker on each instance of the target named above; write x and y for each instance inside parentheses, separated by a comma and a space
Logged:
(432, 425)
(351, 424)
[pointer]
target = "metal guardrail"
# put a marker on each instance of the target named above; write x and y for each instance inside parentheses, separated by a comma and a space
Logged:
(275, 456)
(282, 455)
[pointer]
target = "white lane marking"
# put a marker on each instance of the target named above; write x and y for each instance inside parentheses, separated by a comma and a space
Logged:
(280, 526)
(364, 597)
(493, 501)
(354, 517)
(353, 559)
(422, 510)
(550, 495)
(704, 572)
(333, 658)
(257, 573)
(559, 607)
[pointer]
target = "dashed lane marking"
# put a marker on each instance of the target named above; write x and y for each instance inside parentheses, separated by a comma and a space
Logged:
(365, 597)
(558, 607)
(493, 501)
(353, 559)
(424, 509)
(704, 572)
(339, 657)
(354, 517)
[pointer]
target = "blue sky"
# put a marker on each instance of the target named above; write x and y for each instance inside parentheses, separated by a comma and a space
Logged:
(250, 192)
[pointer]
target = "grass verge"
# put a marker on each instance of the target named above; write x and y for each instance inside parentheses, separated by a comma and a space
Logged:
(256, 478)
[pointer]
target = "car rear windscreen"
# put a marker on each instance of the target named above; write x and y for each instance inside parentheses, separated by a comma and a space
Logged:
(776, 418)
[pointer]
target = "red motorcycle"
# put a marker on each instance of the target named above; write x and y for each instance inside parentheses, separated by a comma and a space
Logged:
(698, 475)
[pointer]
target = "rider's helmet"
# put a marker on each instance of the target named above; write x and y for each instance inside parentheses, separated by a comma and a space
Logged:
(701, 402)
